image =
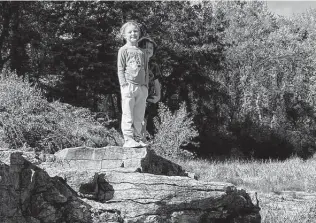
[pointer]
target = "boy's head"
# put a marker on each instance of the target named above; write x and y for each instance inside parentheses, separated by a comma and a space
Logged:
(130, 32)
(148, 44)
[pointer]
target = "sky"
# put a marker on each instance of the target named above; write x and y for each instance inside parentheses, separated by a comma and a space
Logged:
(288, 8)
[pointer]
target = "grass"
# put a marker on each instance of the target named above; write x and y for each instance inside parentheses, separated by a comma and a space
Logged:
(287, 212)
(286, 189)
(28, 120)
(293, 174)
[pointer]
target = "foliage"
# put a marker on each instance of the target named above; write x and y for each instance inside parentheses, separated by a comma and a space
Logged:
(174, 131)
(27, 119)
(246, 75)
(267, 76)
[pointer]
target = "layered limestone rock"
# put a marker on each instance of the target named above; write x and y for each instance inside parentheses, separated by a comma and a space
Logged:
(142, 197)
(61, 192)
(118, 158)
(29, 194)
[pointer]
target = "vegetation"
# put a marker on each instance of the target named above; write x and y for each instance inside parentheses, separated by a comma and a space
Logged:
(245, 75)
(28, 120)
(275, 176)
(174, 131)
(238, 82)
(285, 189)
(306, 213)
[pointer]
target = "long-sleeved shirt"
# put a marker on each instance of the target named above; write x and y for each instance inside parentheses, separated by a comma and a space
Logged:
(132, 66)
(154, 74)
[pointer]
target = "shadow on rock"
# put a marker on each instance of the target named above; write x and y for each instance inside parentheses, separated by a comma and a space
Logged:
(98, 189)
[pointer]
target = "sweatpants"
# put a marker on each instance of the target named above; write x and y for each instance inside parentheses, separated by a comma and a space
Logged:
(133, 110)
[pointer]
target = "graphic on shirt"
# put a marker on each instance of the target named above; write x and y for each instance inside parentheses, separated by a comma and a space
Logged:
(135, 62)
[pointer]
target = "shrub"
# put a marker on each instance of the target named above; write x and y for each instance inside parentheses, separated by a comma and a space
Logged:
(174, 130)
(28, 119)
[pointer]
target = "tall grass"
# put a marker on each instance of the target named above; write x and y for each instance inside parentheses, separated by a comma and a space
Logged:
(27, 119)
(269, 179)
(304, 212)
(266, 176)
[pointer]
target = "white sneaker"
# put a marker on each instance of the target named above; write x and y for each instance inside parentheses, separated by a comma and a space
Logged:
(142, 143)
(131, 144)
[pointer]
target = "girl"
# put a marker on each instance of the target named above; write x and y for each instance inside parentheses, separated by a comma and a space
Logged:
(133, 79)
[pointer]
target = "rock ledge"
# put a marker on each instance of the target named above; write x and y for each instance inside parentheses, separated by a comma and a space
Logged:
(117, 158)
(30, 194)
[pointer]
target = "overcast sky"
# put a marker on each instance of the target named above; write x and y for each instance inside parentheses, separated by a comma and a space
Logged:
(288, 8)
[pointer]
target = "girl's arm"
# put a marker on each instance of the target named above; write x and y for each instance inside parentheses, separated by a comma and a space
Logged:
(121, 64)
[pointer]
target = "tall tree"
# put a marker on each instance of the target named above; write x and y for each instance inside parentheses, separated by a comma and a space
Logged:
(8, 11)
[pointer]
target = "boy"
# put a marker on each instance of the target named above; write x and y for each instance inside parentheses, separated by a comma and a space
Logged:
(154, 90)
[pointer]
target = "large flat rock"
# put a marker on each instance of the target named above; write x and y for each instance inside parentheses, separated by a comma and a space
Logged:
(30, 194)
(118, 158)
(143, 197)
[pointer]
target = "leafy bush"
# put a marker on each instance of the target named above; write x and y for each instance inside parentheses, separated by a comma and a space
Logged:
(174, 130)
(28, 119)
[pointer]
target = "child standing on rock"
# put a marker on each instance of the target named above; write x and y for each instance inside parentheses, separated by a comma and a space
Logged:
(132, 68)
(154, 91)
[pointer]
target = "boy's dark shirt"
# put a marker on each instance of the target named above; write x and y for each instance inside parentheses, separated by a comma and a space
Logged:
(154, 74)
(152, 108)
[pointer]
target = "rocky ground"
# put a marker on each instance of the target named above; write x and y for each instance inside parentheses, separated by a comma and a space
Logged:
(58, 190)
(80, 193)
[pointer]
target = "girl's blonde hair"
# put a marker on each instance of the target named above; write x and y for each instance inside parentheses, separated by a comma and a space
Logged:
(131, 22)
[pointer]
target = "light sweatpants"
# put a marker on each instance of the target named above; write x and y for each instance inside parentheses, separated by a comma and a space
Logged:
(133, 110)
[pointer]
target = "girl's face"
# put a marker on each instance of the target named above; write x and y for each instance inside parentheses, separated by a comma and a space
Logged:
(149, 49)
(131, 34)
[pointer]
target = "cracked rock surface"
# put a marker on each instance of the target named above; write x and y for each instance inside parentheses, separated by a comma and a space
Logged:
(53, 192)
(115, 157)
(29, 194)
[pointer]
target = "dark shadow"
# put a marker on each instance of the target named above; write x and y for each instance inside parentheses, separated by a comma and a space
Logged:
(235, 206)
(253, 141)
(158, 165)
(98, 189)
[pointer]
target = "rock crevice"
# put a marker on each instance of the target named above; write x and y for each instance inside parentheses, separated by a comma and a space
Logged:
(54, 192)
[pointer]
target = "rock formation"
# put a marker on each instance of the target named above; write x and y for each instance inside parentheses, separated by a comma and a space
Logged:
(114, 158)
(29, 194)
(63, 191)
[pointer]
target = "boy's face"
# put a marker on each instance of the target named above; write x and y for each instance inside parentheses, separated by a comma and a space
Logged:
(131, 34)
(149, 49)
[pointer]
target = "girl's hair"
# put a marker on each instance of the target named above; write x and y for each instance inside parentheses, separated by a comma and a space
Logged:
(131, 22)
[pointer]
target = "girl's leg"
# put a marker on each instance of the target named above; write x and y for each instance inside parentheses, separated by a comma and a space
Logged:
(128, 103)
(139, 109)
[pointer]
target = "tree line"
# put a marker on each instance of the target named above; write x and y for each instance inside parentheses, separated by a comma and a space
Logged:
(246, 75)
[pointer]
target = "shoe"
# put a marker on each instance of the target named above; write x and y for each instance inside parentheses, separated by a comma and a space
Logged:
(141, 140)
(142, 143)
(131, 144)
